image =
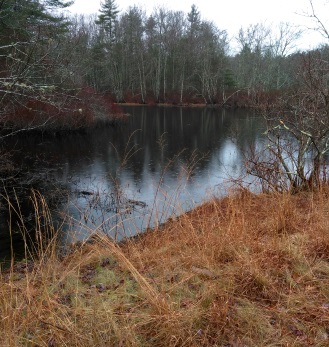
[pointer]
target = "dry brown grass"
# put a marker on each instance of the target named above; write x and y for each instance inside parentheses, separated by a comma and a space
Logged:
(247, 270)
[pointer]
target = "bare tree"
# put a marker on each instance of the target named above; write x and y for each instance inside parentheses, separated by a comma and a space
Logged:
(298, 126)
(295, 156)
(320, 25)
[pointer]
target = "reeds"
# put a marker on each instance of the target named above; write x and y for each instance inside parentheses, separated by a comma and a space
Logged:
(246, 270)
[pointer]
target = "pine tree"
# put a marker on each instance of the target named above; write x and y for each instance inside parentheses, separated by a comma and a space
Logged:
(22, 19)
(108, 17)
(194, 18)
(30, 31)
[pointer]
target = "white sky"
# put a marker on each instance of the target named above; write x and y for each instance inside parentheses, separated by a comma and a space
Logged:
(231, 15)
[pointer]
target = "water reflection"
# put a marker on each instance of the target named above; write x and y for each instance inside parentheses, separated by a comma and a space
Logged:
(161, 162)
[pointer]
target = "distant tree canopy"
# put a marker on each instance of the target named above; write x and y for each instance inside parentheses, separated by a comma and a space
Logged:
(170, 56)
(166, 56)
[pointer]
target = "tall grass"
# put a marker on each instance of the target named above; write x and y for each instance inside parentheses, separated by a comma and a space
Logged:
(246, 270)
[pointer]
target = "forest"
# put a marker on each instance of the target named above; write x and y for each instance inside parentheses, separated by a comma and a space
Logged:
(57, 68)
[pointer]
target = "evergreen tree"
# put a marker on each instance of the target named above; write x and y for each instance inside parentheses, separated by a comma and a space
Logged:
(30, 31)
(23, 19)
(108, 17)
(194, 18)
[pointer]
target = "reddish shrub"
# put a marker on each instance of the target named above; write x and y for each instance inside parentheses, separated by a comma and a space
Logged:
(69, 112)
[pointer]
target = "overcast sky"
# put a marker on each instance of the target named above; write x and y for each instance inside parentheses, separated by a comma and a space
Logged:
(231, 15)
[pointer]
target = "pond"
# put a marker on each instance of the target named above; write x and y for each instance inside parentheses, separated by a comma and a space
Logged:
(121, 180)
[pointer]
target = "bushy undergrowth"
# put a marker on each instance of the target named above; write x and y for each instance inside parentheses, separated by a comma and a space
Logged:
(57, 113)
(246, 270)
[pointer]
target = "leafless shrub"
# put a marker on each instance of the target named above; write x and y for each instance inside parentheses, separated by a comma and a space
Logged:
(295, 154)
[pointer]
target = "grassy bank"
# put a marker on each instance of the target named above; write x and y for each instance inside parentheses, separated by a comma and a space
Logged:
(248, 270)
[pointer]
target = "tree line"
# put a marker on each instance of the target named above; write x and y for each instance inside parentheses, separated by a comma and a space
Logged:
(176, 57)
(55, 67)
(167, 56)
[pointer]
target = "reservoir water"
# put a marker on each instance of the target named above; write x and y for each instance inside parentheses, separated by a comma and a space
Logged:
(121, 180)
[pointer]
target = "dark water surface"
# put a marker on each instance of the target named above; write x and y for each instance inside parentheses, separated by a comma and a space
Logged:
(121, 180)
